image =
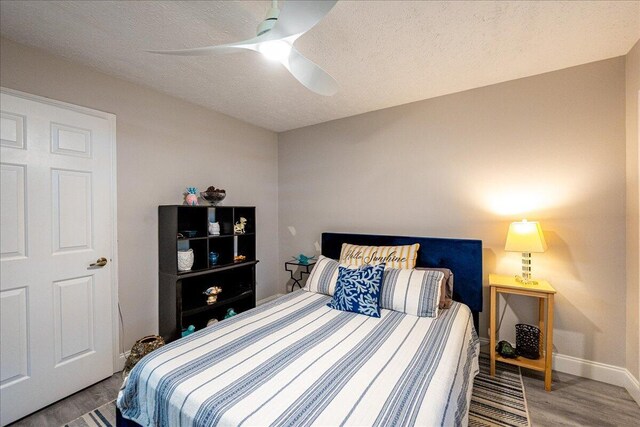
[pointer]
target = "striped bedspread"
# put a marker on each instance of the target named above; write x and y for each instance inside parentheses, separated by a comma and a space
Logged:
(296, 362)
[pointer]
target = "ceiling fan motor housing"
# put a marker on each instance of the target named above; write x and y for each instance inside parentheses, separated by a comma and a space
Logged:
(269, 21)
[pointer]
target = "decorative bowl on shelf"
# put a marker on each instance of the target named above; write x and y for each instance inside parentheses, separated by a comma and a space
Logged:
(213, 195)
(188, 233)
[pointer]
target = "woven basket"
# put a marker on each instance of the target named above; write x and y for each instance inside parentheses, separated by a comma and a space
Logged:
(528, 341)
(141, 348)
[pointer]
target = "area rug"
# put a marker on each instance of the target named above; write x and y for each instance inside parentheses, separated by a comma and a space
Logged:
(495, 401)
(104, 416)
(499, 400)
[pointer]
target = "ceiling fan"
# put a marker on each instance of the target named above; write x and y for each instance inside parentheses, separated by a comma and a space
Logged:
(275, 38)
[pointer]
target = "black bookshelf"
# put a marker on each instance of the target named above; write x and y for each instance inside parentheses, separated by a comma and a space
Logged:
(181, 299)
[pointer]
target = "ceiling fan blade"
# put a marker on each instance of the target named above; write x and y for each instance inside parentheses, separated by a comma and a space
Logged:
(250, 44)
(298, 17)
(309, 74)
(198, 51)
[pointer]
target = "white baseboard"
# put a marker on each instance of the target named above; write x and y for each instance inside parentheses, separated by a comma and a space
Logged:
(267, 299)
(597, 371)
(121, 361)
(633, 387)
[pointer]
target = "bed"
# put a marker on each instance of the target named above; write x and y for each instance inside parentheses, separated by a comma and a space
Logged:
(294, 361)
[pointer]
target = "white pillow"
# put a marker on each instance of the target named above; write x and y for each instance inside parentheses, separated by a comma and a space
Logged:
(323, 277)
(415, 292)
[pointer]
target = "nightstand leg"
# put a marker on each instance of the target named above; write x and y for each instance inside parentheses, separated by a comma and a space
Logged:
(543, 333)
(492, 332)
(549, 344)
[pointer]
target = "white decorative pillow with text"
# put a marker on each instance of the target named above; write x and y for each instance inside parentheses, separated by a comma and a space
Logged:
(401, 257)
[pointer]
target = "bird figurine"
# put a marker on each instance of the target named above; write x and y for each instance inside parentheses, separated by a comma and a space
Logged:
(303, 259)
(191, 329)
(212, 294)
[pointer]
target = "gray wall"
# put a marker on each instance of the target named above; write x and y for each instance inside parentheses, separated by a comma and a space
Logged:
(164, 145)
(548, 148)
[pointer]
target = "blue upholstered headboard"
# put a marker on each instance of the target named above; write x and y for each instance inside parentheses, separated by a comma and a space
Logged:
(463, 257)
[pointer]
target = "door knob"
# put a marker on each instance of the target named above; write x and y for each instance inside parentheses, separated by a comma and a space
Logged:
(100, 262)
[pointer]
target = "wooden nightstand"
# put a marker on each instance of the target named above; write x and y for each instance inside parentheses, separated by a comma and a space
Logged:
(544, 292)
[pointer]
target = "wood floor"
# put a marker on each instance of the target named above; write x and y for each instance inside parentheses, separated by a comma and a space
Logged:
(75, 405)
(574, 401)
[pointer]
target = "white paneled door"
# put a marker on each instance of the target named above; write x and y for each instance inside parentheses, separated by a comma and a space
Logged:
(57, 218)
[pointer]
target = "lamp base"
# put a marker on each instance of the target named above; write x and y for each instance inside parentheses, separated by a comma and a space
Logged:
(525, 281)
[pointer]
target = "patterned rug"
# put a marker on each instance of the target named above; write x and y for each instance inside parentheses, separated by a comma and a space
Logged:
(104, 416)
(497, 401)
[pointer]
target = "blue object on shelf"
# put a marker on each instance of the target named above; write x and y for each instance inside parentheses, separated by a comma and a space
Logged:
(230, 313)
(213, 258)
(303, 259)
(191, 329)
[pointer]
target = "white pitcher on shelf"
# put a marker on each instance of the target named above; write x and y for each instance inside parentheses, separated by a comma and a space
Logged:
(214, 228)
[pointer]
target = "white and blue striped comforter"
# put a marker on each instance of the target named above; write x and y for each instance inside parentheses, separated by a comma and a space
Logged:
(296, 362)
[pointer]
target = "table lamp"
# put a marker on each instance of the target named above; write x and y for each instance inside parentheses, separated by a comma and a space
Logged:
(526, 237)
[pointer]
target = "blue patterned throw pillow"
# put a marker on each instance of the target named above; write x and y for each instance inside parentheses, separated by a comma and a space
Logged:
(358, 290)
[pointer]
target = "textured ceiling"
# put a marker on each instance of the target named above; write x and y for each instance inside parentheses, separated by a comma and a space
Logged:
(382, 53)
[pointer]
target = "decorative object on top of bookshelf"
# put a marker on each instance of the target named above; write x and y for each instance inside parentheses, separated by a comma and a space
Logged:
(191, 196)
(214, 228)
(191, 329)
(239, 258)
(303, 259)
(185, 260)
(528, 341)
(213, 195)
(230, 313)
(240, 226)
(212, 294)
(505, 349)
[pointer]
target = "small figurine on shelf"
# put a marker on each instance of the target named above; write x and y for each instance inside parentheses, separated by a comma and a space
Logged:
(191, 196)
(212, 322)
(239, 227)
(303, 259)
(212, 294)
(239, 258)
(191, 329)
(214, 228)
(230, 313)
(213, 258)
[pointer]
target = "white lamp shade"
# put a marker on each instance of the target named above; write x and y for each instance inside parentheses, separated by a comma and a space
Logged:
(525, 236)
